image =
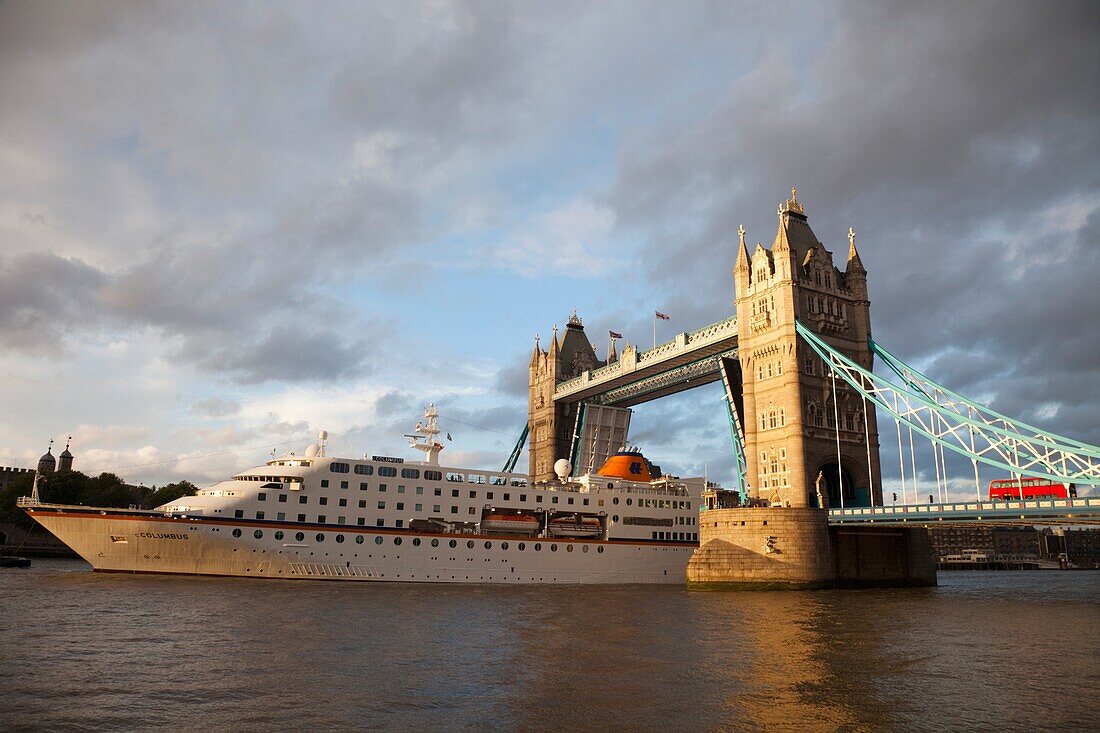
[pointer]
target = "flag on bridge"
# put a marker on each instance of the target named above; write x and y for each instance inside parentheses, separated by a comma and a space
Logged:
(612, 334)
(659, 314)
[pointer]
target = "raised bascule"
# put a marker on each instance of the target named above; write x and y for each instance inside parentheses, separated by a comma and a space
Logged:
(797, 365)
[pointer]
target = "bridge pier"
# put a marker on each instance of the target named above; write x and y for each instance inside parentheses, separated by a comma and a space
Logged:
(780, 548)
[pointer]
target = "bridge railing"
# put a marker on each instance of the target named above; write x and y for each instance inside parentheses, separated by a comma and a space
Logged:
(967, 507)
(683, 341)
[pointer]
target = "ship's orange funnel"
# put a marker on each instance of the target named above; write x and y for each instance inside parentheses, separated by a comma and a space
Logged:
(629, 465)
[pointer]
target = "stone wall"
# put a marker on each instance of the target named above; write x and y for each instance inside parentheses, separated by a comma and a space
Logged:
(792, 548)
(762, 547)
(882, 556)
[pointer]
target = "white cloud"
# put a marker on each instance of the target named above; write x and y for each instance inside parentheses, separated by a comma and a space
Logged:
(572, 240)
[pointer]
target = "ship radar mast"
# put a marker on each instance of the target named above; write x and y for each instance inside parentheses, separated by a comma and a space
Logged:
(423, 437)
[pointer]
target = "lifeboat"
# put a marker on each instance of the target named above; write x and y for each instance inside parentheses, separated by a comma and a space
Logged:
(630, 465)
(499, 522)
(575, 526)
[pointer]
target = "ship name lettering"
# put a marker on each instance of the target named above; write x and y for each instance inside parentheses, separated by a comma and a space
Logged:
(649, 521)
(163, 535)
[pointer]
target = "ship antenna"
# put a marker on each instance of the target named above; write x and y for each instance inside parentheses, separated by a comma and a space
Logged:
(424, 437)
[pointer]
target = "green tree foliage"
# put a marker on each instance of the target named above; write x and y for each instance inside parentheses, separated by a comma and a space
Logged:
(74, 487)
(169, 492)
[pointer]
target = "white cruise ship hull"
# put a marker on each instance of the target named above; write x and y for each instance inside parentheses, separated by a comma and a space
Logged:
(146, 542)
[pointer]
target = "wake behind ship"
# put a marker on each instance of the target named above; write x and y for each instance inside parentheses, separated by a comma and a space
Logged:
(388, 519)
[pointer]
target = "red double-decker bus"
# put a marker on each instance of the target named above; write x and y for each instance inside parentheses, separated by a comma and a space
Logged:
(1008, 489)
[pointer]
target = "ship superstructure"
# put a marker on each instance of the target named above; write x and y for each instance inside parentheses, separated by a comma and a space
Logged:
(384, 518)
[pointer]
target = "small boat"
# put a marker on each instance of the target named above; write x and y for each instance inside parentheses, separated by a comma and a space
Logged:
(575, 526)
(510, 523)
(10, 561)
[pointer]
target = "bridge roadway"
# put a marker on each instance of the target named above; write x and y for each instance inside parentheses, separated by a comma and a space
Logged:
(689, 360)
(1084, 510)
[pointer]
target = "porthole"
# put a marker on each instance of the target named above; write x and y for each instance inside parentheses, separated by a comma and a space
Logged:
(504, 545)
(453, 544)
(614, 517)
(320, 537)
(339, 538)
(538, 546)
(615, 500)
(470, 544)
(553, 548)
(599, 549)
(569, 548)
(416, 542)
(584, 548)
(488, 545)
(278, 535)
(237, 532)
(629, 501)
(397, 540)
(522, 547)
(258, 534)
(378, 540)
(435, 543)
(358, 539)
(299, 536)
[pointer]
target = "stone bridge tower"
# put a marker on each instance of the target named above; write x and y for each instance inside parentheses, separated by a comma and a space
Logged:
(791, 418)
(551, 425)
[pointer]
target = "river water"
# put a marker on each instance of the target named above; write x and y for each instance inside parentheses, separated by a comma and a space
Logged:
(1007, 651)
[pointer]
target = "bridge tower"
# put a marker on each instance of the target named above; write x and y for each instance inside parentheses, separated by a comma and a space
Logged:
(551, 424)
(791, 416)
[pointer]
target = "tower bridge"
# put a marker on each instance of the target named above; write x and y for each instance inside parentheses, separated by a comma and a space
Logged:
(797, 362)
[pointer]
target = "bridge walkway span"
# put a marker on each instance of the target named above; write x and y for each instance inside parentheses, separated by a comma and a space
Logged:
(689, 360)
(1041, 511)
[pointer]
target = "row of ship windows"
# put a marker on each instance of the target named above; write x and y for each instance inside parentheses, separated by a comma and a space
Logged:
(676, 536)
(436, 509)
(489, 495)
(429, 475)
(417, 541)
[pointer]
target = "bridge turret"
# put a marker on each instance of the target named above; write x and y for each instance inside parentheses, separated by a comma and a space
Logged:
(855, 275)
(741, 268)
(550, 425)
(793, 416)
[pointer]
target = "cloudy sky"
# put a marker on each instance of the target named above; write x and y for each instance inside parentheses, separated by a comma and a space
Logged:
(225, 226)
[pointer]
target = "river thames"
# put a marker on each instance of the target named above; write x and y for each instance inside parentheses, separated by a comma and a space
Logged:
(1008, 651)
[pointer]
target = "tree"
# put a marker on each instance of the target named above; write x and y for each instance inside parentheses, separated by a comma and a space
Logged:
(168, 493)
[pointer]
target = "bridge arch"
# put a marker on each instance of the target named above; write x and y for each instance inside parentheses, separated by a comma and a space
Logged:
(854, 480)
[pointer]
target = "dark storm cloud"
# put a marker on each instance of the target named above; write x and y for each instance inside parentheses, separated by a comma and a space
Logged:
(43, 299)
(221, 173)
(513, 379)
(288, 353)
(961, 142)
(394, 404)
(302, 153)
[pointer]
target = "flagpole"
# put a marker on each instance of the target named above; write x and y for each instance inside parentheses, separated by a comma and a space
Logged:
(655, 329)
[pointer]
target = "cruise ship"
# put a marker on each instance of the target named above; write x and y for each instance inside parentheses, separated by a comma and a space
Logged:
(384, 518)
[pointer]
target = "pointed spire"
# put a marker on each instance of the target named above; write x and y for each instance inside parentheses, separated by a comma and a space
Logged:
(855, 264)
(554, 343)
(537, 352)
(612, 355)
(742, 250)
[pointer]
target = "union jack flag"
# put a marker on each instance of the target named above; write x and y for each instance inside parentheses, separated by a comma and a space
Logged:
(612, 334)
(659, 314)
